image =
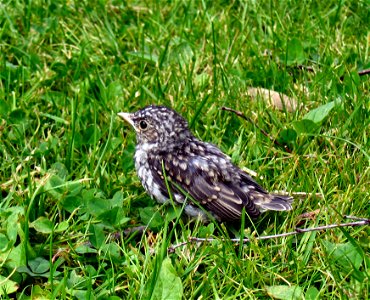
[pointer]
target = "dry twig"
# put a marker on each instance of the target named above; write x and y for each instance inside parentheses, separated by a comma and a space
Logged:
(240, 114)
(359, 222)
(364, 72)
(360, 73)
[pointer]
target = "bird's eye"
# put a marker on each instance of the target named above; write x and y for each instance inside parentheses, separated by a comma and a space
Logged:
(143, 125)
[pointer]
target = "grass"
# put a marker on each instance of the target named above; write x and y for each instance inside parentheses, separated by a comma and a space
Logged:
(67, 178)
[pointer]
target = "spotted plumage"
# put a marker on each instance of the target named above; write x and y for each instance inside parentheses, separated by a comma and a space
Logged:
(194, 168)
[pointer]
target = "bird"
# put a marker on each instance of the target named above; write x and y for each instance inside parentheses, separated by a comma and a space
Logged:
(172, 163)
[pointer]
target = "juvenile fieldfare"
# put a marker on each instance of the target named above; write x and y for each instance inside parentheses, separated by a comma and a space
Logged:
(197, 172)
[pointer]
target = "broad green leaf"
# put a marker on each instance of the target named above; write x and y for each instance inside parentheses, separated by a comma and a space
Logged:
(168, 285)
(59, 188)
(91, 270)
(285, 292)
(39, 265)
(114, 217)
(97, 206)
(88, 195)
(4, 108)
(24, 269)
(90, 134)
(12, 216)
(115, 142)
(81, 294)
(312, 293)
(206, 231)
(318, 114)
(115, 90)
(7, 286)
(42, 149)
(83, 249)
(43, 225)
(11, 224)
(347, 256)
(17, 116)
(151, 217)
(288, 135)
(112, 250)
(182, 54)
(59, 169)
(295, 53)
(97, 236)
(117, 199)
(39, 293)
(76, 281)
(173, 212)
(71, 203)
(304, 126)
(62, 226)
(54, 186)
(4, 242)
(14, 258)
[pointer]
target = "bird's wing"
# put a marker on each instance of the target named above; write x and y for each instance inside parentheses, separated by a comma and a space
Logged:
(211, 181)
(264, 200)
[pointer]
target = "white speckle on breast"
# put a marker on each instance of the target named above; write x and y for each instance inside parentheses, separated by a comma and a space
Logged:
(156, 192)
(145, 174)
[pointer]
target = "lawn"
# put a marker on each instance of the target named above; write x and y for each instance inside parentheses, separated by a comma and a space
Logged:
(75, 222)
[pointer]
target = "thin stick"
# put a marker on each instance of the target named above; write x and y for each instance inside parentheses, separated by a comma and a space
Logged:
(364, 72)
(360, 73)
(298, 194)
(137, 229)
(356, 218)
(241, 115)
(362, 222)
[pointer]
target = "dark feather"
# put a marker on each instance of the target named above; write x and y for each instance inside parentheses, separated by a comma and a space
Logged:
(209, 185)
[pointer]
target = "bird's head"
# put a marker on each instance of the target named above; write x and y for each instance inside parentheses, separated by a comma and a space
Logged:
(157, 125)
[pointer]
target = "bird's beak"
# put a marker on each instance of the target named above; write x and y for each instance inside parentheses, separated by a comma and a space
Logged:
(127, 117)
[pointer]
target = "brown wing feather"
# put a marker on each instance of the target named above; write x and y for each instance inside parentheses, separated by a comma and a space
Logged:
(207, 184)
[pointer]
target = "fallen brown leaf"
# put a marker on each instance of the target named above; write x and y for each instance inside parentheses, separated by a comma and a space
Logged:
(273, 98)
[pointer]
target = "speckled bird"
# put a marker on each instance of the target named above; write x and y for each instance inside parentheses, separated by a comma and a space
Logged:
(166, 147)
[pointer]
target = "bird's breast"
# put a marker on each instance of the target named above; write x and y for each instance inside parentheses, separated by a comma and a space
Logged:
(146, 176)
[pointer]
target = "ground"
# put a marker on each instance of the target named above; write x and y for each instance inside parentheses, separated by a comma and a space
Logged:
(71, 201)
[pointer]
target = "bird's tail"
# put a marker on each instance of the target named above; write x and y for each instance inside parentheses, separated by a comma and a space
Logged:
(273, 202)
